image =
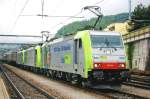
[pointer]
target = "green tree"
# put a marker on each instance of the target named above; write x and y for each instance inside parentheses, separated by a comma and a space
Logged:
(88, 24)
(140, 17)
(141, 12)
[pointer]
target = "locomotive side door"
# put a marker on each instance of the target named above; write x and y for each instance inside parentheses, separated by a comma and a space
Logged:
(78, 56)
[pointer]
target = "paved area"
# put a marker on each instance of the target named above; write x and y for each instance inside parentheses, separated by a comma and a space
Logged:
(3, 91)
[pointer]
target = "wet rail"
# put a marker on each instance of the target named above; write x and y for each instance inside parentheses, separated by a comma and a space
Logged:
(118, 94)
(140, 78)
(23, 88)
(15, 93)
(139, 81)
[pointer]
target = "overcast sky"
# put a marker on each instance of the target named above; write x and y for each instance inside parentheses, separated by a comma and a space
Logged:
(33, 25)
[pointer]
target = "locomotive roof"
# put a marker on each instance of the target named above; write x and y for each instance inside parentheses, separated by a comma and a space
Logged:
(31, 48)
(93, 32)
(61, 39)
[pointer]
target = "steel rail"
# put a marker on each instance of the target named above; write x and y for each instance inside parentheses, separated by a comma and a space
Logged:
(129, 94)
(36, 87)
(140, 82)
(138, 86)
(21, 35)
(20, 95)
(140, 79)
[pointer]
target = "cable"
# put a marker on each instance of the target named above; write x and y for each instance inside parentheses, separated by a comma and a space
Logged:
(53, 16)
(74, 15)
(15, 2)
(19, 15)
(98, 2)
(66, 20)
(42, 3)
(21, 36)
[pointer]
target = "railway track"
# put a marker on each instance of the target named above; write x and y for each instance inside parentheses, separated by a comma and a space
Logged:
(110, 93)
(12, 89)
(138, 84)
(139, 81)
(141, 78)
(22, 88)
(117, 94)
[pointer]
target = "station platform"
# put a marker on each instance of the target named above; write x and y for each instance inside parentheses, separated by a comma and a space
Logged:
(3, 91)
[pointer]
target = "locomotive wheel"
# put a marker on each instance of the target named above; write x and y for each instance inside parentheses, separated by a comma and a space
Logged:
(53, 75)
(68, 77)
(47, 74)
(63, 76)
(59, 75)
(83, 84)
(74, 79)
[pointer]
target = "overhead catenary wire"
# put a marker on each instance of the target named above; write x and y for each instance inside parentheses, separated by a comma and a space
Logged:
(15, 2)
(62, 22)
(69, 17)
(98, 2)
(21, 11)
(53, 16)
(1, 35)
(42, 5)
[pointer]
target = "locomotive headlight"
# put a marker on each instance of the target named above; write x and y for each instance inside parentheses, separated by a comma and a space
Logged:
(108, 51)
(95, 65)
(122, 65)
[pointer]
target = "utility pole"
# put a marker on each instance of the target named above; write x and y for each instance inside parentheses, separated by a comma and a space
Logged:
(42, 2)
(129, 9)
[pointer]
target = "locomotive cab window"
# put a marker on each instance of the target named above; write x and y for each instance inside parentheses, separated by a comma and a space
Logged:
(106, 41)
(80, 43)
(35, 52)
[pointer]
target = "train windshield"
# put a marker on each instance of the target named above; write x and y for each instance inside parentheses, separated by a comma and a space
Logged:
(106, 41)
